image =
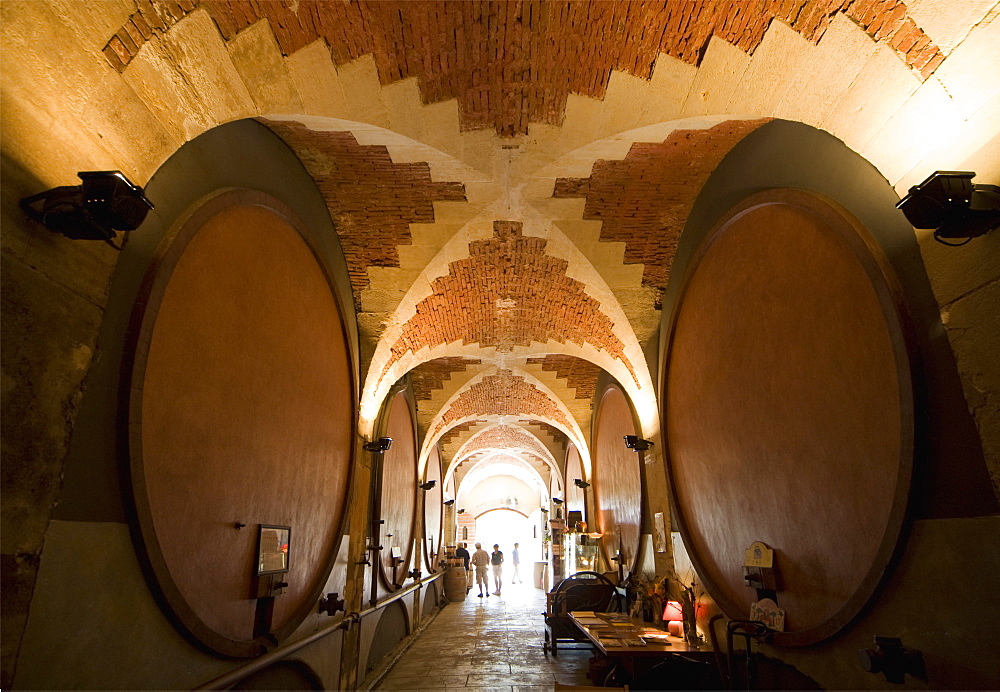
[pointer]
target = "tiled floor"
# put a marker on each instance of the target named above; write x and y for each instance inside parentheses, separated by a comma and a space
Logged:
(490, 643)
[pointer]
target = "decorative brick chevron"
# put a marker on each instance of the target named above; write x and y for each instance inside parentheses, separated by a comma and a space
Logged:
(508, 459)
(514, 63)
(497, 395)
(557, 435)
(508, 293)
(506, 437)
(428, 377)
(449, 437)
(150, 16)
(579, 374)
(372, 200)
(644, 199)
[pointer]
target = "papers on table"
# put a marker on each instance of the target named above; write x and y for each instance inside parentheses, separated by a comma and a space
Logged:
(615, 617)
(656, 639)
(615, 630)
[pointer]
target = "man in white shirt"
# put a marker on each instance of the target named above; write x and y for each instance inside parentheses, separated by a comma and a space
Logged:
(516, 559)
(481, 560)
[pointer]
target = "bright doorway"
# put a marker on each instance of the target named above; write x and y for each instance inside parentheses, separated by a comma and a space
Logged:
(507, 527)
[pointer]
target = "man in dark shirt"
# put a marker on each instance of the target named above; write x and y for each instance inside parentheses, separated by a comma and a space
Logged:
(463, 552)
(496, 560)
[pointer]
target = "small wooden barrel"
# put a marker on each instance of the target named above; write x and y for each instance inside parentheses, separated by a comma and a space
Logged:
(455, 582)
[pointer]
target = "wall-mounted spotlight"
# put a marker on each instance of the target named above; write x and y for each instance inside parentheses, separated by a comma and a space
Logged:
(428, 485)
(544, 510)
(637, 444)
(557, 500)
(461, 511)
(949, 203)
(580, 483)
(104, 202)
(449, 503)
(380, 445)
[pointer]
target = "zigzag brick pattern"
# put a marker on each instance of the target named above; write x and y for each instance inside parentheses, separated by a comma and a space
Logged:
(497, 395)
(508, 293)
(644, 199)
(372, 200)
(449, 437)
(580, 374)
(506, 437)
(513, 63)
(428, 377)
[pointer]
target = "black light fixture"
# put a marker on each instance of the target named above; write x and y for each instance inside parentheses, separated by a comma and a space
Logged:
(544, 510)
(949, 203)
(104, 202)
(461, 511)
(637, 444)
(428, 485)
(380, 445)
(557, 500)
(449, 503)
(580, 483)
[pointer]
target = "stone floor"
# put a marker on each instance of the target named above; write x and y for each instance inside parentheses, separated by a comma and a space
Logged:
(490, 643)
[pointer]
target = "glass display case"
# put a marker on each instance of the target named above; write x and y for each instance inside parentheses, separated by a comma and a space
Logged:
(581, 553)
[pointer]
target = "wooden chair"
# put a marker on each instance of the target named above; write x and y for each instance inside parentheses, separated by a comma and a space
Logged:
(581, 591)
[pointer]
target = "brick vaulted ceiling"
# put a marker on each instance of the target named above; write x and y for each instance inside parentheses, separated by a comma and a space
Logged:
(508, 209)
(514, 63)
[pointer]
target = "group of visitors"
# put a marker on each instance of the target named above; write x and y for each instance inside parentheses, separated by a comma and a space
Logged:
(481, 560)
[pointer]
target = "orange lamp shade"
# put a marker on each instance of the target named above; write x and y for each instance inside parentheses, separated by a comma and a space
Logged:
(672, 611)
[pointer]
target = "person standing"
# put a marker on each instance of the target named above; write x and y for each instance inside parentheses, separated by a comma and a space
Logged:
(480, 559)
(515, 557)
(463, 552)
(496, 560)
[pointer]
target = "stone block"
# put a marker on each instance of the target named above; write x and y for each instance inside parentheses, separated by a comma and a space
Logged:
(717, 81)
(856, 117)
(819, 83)
(363, 92)
(668, 89)
(767, 78)
(316, 80)
(257, 58)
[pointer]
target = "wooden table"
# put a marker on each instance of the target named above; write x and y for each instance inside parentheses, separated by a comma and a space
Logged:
(634, 660)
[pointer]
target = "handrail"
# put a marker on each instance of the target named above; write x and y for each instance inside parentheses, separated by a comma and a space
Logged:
(342, 623)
